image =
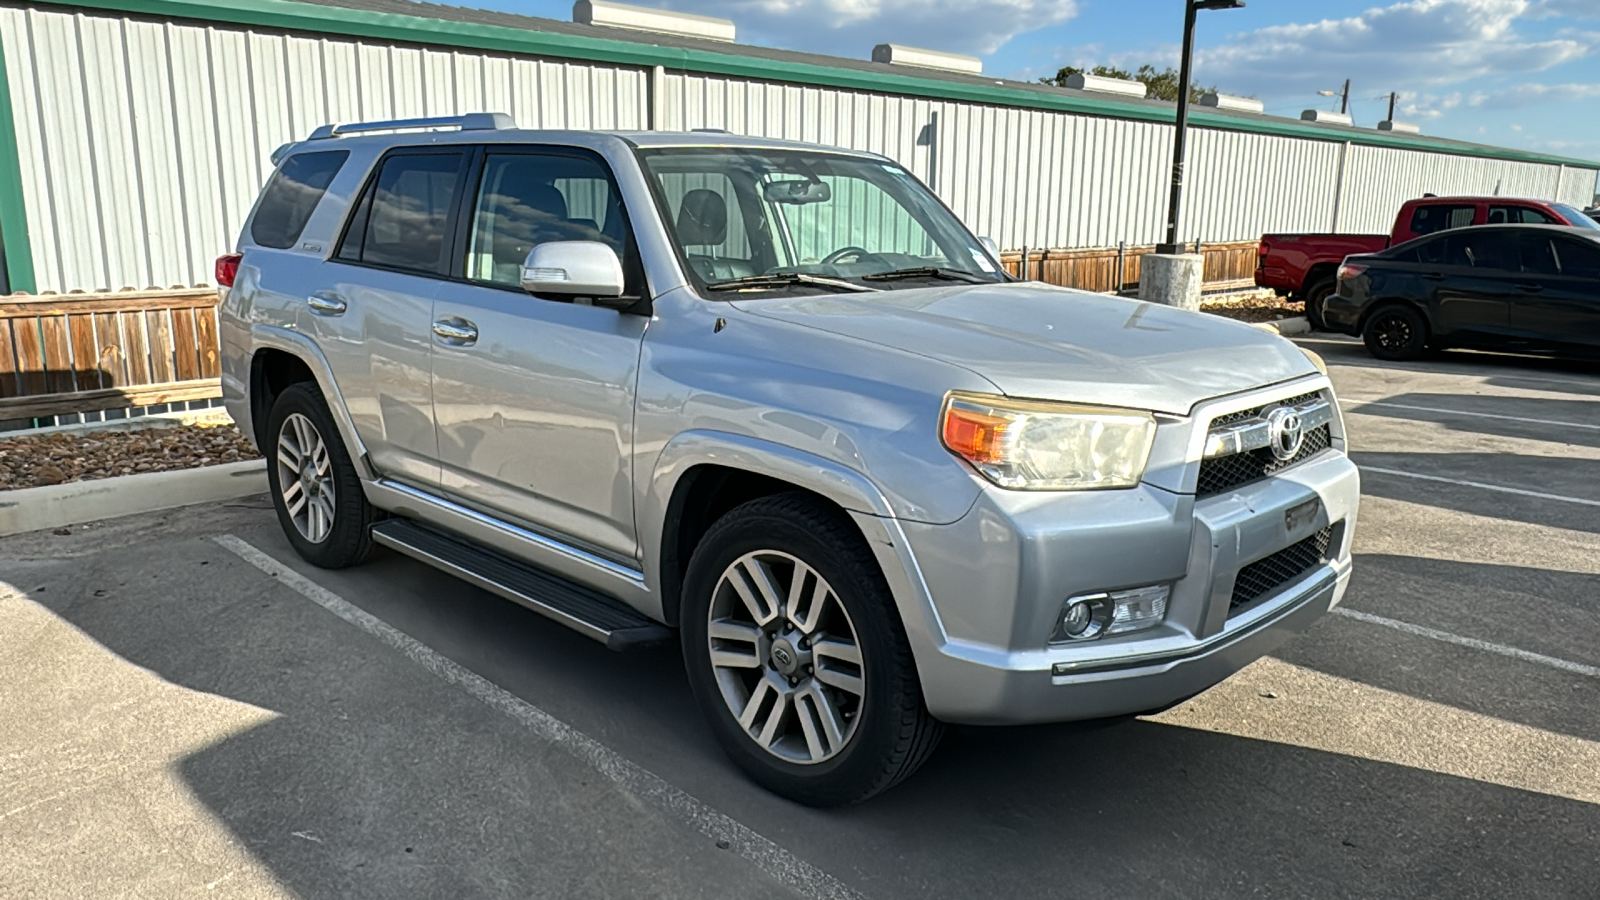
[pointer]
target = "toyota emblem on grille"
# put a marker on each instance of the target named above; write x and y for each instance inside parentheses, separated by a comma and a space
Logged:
(1286, 432)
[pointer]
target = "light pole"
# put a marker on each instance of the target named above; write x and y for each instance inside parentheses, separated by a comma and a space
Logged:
(1175, 207)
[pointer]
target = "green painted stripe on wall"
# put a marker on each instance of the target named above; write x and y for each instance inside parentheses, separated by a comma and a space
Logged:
(13, 209)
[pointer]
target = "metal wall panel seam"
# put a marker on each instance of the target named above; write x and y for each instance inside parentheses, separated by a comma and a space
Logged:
(14, 228)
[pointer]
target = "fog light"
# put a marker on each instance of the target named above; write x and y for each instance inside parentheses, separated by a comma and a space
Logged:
(1090, 616)
(1138, 609)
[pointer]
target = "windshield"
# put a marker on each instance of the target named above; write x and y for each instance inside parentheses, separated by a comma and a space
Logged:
(797, 220)
(1575, 216)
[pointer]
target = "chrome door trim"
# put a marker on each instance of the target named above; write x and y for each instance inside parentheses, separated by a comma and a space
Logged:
(632, 577)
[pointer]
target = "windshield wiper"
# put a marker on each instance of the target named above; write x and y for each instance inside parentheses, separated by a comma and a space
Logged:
(786, 279)
(928, 272)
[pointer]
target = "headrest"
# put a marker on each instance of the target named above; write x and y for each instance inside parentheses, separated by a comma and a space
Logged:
(703, 218)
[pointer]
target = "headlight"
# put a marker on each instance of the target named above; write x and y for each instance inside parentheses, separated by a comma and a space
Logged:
(1035, 446)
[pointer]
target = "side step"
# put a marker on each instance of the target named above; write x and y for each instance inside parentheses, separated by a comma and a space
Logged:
(583, 610)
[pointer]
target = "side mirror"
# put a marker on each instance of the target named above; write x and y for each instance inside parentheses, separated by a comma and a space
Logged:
(573, 268)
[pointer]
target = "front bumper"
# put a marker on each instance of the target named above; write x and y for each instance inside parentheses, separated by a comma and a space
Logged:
(997, 578)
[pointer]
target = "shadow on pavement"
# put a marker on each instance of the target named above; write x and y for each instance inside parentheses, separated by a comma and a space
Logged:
(411, 789)
(1539, 474)
(1348, 351)
(1561, 421)
(1547, 612)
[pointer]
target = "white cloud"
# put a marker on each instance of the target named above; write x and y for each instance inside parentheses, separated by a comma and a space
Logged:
(1416, 43)
(1532, 94)
(852, 27)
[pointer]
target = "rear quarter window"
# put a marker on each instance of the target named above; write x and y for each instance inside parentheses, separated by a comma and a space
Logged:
(292, 195)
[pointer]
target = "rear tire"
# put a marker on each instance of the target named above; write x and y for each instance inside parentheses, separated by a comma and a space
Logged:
(1315, 297)
(824, 727)
(315, 488)
(1395, 333)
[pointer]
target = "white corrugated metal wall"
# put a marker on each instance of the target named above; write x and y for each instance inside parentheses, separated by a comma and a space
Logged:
(144, 143)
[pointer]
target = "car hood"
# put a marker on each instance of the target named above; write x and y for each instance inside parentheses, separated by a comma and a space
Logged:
(1050, 343)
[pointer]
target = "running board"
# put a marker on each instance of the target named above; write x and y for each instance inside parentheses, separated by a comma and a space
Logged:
(585, 611)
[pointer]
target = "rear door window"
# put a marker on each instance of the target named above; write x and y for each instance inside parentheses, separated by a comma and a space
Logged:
(404, 218)
(1441, 217)
(1579, 259)
(292, 195)
(1519, 215)
(1538, 255)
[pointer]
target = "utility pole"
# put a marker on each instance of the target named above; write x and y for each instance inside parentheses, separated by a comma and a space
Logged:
(1393, 96)
(1344, 102)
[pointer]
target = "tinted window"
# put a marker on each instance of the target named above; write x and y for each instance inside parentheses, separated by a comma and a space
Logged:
(1482, 250)
(405, 214)
(291, 196)
(1538, 257)
(528, 199)
(1430, 219)
(1576, 217)
(1519, 215)
(1579, 258)
(1406, 256)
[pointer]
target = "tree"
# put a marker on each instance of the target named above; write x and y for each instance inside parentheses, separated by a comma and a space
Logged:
(1162, 85)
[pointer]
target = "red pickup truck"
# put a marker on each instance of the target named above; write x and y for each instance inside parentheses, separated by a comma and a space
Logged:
(1304, 265)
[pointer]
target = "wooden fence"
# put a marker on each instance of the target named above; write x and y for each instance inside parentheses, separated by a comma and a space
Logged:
(1226, 266)
(77, 353)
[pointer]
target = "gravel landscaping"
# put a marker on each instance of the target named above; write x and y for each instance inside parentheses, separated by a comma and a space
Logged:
(37, 460)
(1257, 307)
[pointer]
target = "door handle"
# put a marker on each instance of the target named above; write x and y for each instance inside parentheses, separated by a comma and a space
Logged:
(1434, 276)
(1531, 288)
(326, 303)
(456, 332)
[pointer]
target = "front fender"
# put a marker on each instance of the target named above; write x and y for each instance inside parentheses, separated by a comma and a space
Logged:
(855, 493)
(275, 337)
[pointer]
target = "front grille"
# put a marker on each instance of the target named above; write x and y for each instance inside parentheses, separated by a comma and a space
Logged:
(1228, 472)
(1265, 577)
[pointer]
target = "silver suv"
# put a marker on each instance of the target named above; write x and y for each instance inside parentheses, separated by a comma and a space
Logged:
(775, 398)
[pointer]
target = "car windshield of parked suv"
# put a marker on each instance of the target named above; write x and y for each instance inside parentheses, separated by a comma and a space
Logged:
(779, 220)
(1575, 216)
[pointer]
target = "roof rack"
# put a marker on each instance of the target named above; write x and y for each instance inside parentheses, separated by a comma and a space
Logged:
(468, 122)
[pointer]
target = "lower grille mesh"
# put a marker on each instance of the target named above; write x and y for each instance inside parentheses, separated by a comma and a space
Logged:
(1266, 576)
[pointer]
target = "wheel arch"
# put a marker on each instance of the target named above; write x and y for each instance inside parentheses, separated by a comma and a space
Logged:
(1378, 306)
(701, 475)
(1314, 276)
(281, 357)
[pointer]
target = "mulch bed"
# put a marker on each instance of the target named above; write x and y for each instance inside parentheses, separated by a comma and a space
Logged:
(1265, 307)
(36, 460)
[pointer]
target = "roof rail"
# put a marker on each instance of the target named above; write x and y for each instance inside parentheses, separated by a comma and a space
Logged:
(468, 122)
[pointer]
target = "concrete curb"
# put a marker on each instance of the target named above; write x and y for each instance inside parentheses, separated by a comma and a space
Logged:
(1287, 327)
(56, 505)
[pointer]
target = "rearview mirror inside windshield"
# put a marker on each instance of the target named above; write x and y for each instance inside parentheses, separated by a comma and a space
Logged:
(797, 192)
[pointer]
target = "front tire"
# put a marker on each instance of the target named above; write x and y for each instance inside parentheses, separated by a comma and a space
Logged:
(1395, 333)
(315, 488)
(797, 657)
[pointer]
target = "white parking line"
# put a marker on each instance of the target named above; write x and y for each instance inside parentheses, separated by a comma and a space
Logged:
(1562, 498)
(1478, 415)
(1474, 643)
(766, 855)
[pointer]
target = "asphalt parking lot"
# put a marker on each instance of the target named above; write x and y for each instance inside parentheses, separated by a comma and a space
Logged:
(183, 713)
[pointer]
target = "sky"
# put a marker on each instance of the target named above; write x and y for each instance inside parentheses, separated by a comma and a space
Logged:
(1513, 73)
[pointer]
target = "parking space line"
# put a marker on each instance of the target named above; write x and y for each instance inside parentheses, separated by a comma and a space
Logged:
(1562, 498)
(1474, 643)
(1478, 415)
(766, 855)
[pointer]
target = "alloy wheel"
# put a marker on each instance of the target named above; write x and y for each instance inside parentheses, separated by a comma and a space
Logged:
(786, 657)
(305, 478)
(1394, 332)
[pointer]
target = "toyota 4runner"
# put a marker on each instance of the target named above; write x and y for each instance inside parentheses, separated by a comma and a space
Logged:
(775, 402)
